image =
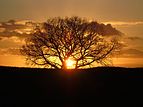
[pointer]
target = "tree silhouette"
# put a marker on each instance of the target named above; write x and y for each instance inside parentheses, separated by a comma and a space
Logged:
(52, 43)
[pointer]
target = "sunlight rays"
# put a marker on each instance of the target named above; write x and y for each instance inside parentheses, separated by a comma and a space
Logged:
(70, 63)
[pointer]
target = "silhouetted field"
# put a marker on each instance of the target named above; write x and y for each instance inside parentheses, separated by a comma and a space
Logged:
(101, 86)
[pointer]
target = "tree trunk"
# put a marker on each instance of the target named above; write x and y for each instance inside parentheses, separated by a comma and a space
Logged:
(64, 66)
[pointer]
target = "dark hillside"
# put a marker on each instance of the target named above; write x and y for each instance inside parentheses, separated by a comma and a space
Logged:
(101, 86)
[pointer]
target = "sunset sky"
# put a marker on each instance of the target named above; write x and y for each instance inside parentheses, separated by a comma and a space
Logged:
(125, 15)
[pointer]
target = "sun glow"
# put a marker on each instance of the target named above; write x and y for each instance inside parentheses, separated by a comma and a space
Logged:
(70, 63)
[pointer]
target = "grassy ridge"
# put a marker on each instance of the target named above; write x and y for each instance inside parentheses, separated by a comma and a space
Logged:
(102, 86)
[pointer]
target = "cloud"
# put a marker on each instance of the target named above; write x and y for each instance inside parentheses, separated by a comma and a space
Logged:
(11, 39)
(134, 53)
(23, 28)
(2, 51)
(10, 26)
(23, 31)
(22, 22)
(9, 51)
(121, 23)
(20, 29)
(11, 42)
(14, 51)
(14, 33)
(104, 30)
(10, 45)
(135, 38)
(2, 29)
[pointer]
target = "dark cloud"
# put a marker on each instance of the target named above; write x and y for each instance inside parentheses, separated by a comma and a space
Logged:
(11, 25)
(105, 30)
(13, 33)
(131, 53)
(12, 28)
(124, 23)
(109, 30)
(135, 38)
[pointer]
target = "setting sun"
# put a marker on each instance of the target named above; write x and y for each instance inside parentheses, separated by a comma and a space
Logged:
(70, 63)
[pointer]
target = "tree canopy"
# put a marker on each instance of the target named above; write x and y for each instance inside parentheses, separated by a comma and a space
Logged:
(83, 42)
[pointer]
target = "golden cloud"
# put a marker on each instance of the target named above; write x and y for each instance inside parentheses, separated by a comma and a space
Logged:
(121, 23)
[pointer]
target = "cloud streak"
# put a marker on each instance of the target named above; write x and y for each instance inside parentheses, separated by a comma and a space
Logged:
(122, 23)
(135, 38)
(20, 29)
(131, 53)
(11, 42)
(10, 51)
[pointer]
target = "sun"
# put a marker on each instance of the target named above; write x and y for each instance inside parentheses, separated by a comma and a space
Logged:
(70, 63)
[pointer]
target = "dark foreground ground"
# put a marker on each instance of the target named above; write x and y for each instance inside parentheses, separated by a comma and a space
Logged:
(96, 87)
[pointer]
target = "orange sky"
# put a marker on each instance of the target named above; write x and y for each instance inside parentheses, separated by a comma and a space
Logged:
(125, 15)
(107, 10)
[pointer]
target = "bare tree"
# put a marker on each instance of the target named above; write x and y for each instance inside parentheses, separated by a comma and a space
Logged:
(60, 39)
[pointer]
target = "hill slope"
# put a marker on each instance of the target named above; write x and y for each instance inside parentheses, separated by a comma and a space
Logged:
(102, 86)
